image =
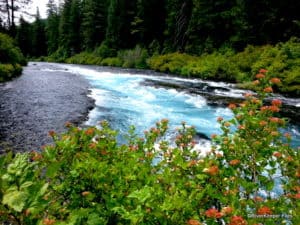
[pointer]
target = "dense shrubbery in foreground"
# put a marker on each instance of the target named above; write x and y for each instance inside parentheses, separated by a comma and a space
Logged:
(281, 60)
(250, 176)
(11, 58)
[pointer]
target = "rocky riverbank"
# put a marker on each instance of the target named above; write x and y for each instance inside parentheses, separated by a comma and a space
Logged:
(42, 99)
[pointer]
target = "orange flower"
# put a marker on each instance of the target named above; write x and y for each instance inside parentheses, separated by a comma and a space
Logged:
(263, 123)
(193, 222)
(213, 136)
(247, 95)
(52, 133)
(85, 193)
(287, 135)
(241, 127)
(264, 211)
(268, 90)
(297, 196)
(192, 163)
(36, 156)
(226, 210)
(256, 82)
(48, 221)
(274, 120)
(275, 80)
(263, 71)
(277, 154)
(213, 213)
(274, 108)
(220, 119)
(89, 131)
(227, 124)
(258, 199)
(259, 76)
(232, 106)
(276, 102)
(237, 220)
(213, 170)
(68, 124)
(234, 162)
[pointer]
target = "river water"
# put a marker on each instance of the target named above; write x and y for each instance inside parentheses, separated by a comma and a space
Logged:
(124, 98)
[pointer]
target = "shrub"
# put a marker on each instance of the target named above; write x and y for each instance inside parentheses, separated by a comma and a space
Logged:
(104, 51)
(85, 58)
(135, 58)
(114, 61)
(86, 177)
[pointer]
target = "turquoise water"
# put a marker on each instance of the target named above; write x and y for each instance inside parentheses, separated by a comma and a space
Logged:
(123, 100)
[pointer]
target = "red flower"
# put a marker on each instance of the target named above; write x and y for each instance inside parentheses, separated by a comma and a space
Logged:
(263, 71)
(297, 196)
(276, 102)
(263, 123)
(260, 76)
(226, 210)
(256, 82)
(213, 213)
(89, 131)
(220, 119)
(48, 221)
(264, 211)
(193, 222)
(237, 220)
(275, 80)
(232, 106)
(52, 133)
(234, 162)
(277, 154)
(213, 170)
(268, 90)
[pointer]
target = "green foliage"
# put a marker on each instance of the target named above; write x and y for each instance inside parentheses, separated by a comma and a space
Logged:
(11, 58)
(84, 58)
(86, 177)
(112, 61)
(104, 51)
(135, 58)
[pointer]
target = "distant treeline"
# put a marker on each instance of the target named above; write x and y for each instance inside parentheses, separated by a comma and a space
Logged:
(163, 26)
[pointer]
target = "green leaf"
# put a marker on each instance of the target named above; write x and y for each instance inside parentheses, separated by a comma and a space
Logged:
(15, 200)
(142, 195)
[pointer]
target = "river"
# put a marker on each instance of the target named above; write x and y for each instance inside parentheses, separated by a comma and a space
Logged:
(49, 94)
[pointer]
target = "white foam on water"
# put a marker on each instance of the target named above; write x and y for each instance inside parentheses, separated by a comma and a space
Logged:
(197, 101)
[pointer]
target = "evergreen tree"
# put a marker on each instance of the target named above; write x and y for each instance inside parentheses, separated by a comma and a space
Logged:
(24, 37)
(52, 25)
(120, 17)
(39, 36)
(75, 23)
(94, 22)
(65, 28)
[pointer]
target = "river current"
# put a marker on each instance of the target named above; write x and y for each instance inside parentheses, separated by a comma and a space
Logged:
(55, 93)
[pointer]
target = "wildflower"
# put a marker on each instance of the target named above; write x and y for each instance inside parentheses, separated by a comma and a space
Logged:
(241, 127)
(192, 163)
(259, 76)
(255, 101)
(213, 136)
(277, 154)
(276, 102)
(68, 124)
(27, 212)
(258, 199)
(264, 211)
(275, 80)
(213, 170)
(256, 82)
(263, 123)
(297, 196)
(52, 133)
(273, 108)
(213, 213)
(247, 95)
(268, 90)
(193, 222)
(234, 162)
(232, 106)
(274, 133)
(287, 135)
(274, 119)
(89, 131)
(237, 220)
(36, 156)
(85, 193)
(263, 71)
(93, 145)
(220, 119)
(226, 210)
(48, 221)
(227, 124)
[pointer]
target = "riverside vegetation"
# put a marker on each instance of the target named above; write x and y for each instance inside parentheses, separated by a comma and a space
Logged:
(281, 60)
(250, 176)
(11, 58)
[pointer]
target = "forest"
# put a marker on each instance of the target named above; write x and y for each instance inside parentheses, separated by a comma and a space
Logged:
(221, 40)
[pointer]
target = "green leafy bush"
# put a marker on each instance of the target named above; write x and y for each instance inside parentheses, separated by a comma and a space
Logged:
(11, 58)
(85, 58)
(86, 177)
(104, 51)
(114, 61)
(135, 58)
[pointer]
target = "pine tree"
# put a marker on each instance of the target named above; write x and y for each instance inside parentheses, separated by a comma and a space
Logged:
(52, 25)
(24, 37)
(39, 36)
